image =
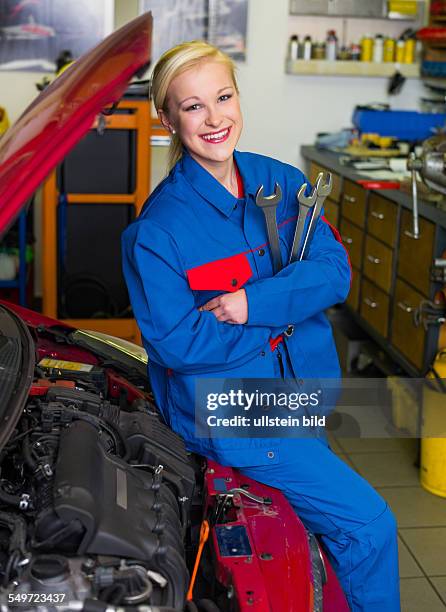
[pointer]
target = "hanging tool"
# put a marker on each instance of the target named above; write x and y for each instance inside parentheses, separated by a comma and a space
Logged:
(323, 187)
(306, 203)
(269, 204)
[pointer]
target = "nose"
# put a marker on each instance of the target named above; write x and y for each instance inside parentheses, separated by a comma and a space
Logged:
(213, 118)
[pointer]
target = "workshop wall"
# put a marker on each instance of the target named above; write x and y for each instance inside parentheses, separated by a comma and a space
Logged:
(283, 111)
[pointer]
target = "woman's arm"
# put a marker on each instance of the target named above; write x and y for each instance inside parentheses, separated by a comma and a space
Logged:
(176, 334)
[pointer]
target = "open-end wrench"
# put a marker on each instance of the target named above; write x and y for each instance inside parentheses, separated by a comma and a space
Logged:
(269, 204)
(306, 203)
(323, 190)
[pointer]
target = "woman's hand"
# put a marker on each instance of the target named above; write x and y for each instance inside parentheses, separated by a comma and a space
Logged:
(229, 307)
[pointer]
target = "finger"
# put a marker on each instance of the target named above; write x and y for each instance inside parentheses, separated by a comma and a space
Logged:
(220, 314)
(211, 304)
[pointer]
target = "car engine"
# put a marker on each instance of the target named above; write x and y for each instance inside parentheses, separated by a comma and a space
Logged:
(95, 496)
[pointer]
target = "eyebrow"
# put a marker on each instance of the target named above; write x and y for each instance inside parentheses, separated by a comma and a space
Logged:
(197, 98)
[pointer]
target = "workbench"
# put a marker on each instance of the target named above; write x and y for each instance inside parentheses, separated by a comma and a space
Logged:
(392, 272)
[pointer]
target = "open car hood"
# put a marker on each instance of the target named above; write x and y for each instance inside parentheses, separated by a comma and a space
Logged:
(58, 118)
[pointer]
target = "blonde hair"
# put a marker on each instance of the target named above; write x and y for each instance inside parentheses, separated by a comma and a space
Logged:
(174, 62)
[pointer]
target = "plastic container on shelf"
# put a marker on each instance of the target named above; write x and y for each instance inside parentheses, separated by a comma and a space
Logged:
(318, 51)
(433, 69)
(355, 52)
(405, 125)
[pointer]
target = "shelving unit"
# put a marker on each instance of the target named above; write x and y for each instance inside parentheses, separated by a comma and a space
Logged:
(351, 68)
(372, 9)
(133, 115)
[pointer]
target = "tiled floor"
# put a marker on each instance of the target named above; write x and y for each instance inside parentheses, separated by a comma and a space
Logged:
(388, 464)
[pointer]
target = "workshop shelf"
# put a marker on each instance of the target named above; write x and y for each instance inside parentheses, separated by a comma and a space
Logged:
(351, 68)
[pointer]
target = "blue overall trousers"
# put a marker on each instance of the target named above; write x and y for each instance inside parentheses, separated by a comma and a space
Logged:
(355, 525)
(193, 241)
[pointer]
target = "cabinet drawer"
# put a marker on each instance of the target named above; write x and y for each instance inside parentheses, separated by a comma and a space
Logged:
(353, 297)
(336, 190)
(354, 203)
(415, 256)
(378, 260)
(353, 238)
(331, 212)
(375, 307)
(382, 219)
(407, 338)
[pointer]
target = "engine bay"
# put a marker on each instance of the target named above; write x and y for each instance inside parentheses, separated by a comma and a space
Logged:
(95, 496)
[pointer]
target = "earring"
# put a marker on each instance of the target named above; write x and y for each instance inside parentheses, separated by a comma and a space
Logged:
(173, 131)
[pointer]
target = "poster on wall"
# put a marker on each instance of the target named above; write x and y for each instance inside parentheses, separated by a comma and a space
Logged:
(221, 22)
(33, 33)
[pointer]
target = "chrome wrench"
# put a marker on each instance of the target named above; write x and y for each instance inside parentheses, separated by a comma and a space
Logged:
(306, 203)
(323, 190)
(269, 204)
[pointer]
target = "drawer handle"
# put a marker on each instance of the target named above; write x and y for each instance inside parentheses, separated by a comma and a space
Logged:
(405, 307)
(348, 198)
(347, 239)
(374, 260)
(377, 215)
(370, 303)
(411, 235)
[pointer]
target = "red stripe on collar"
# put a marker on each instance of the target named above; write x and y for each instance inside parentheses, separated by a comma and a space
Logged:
(240, 188)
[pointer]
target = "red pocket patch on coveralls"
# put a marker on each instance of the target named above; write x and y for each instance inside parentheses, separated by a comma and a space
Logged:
(228, 274)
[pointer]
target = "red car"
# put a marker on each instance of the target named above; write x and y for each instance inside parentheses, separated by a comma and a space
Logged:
(101, 506)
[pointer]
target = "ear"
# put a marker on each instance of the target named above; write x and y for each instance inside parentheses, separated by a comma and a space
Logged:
(163, 117)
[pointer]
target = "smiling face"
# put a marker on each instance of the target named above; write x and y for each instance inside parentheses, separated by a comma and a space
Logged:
(204, 110)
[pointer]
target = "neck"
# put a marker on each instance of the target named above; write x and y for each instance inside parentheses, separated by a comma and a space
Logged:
(223, 171)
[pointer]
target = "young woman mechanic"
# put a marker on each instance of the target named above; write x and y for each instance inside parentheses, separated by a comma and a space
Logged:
(201, 283)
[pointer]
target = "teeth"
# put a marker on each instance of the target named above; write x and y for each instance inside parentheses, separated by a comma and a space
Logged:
(216, 136)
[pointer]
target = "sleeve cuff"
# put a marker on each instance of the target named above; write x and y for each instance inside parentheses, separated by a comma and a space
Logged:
(253, 298)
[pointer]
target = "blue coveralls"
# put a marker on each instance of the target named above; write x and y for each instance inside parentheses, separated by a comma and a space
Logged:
(194, 240)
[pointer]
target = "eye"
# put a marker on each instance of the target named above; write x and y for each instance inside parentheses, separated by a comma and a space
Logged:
(192, 108)
(224, 97)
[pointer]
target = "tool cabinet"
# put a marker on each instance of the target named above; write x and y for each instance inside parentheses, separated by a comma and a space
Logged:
(391, 271)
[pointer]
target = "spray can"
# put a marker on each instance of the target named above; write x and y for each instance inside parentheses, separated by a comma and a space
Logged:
(366, 48)
(399, 54)
(331, 46)
(293, 47)
(409, 51)
(378, 49)
(307, 48)
(389, 50)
